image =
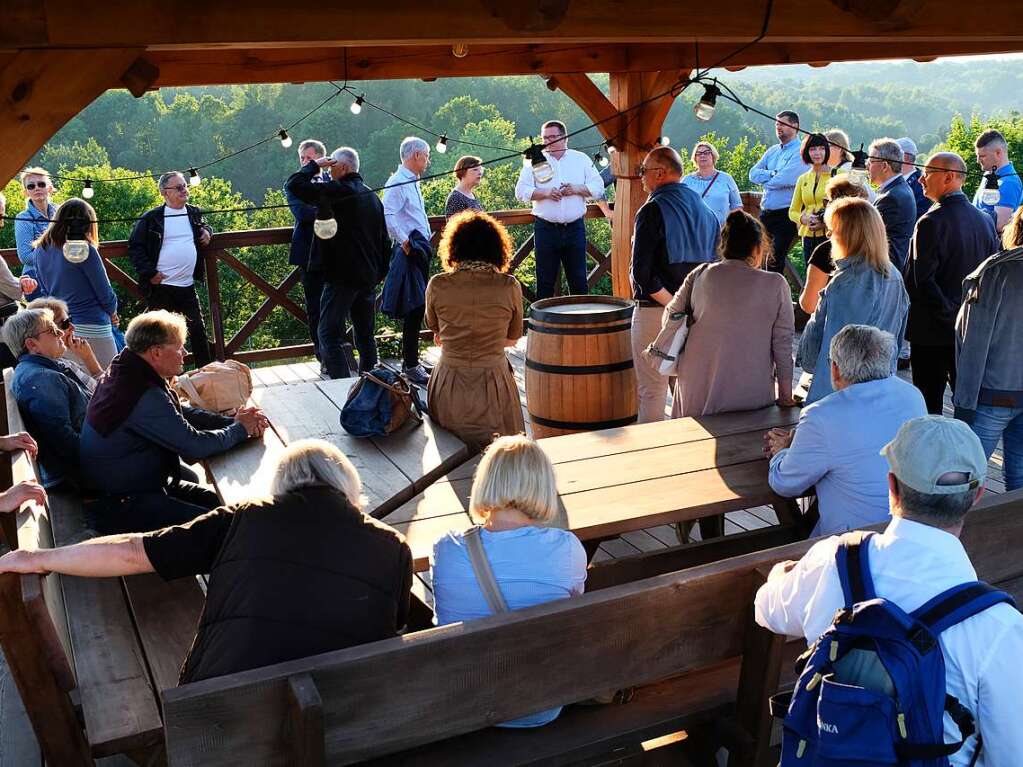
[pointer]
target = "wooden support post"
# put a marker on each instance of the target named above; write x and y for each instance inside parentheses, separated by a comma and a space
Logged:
(213, 291)
(305, 722)
(31, 647)
(41, 89)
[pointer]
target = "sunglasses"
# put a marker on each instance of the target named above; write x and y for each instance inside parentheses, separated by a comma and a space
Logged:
(33, 184)
(64, 324)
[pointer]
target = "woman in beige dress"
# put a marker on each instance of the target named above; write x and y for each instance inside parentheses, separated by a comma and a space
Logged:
(739, 347)
(475, 310)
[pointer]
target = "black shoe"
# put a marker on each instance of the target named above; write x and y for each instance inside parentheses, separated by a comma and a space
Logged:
(417, 375)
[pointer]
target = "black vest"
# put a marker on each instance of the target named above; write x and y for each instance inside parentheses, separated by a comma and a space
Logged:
(298, 575)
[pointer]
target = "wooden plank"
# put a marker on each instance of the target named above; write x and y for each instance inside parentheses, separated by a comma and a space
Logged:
(18, 744)
(595, 444)
(118, 700)
(305, 721)
(246, 471)
(167, 615)
(423, 534)
(600, 641)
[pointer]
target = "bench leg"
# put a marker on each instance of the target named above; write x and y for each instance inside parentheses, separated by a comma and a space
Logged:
(305, 722)
(46, 702)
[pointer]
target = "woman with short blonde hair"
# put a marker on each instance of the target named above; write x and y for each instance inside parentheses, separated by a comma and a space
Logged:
(865, 290)
(716, 188)
(514, 496)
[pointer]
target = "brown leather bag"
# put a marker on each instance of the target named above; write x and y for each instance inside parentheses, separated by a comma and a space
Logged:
(222, 387)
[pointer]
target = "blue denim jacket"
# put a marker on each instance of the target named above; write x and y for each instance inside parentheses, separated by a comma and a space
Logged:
(857, 295)
(53, 405)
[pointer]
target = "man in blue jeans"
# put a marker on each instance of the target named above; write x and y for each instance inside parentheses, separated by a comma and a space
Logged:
(559, 206)
(989, 353)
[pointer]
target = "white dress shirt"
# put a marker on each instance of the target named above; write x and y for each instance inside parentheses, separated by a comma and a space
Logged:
(910, 563)
(574, 167)
(403, 206)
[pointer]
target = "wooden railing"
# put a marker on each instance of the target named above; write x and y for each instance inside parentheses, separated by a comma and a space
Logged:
(219, 253)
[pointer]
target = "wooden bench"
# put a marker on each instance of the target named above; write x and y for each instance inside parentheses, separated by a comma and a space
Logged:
(92, 651)
(426, 698)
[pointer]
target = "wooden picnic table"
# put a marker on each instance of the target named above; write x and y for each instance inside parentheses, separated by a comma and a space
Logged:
(393, 468)
(630, 478)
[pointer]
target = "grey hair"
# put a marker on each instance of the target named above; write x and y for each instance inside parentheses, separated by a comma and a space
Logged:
(862, 353)
(348, 156)
(319, 146)
(316, 463)
(155, 328)
(22, 326)
(888, 150)
(945, 510)
(410, 145)
(167, 177)
(48, 302)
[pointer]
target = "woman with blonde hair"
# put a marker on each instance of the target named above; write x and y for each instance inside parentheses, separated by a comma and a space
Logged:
(865, 289)
(474, 309)
(298, 574)
(716, 188)
(82, 285)
(512, 559)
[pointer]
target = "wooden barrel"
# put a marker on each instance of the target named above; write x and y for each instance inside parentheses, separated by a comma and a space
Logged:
(579, 369)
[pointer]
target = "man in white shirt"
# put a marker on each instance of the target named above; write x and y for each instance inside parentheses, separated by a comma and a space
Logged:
(164, 249)
(559, 205)
(937, 474)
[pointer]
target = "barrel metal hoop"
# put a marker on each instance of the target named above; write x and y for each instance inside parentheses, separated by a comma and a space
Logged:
(579, 370)
(571, 331)
(582, 425)
(559, 318)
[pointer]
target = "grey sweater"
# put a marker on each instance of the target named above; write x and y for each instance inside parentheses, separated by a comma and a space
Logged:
(989, 341)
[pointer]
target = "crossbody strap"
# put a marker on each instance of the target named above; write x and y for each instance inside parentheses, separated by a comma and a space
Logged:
(715, 178)
(481, 567)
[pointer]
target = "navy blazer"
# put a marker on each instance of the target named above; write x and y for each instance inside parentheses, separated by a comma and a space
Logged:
(302, 236)
(922, 203)
(898, 211)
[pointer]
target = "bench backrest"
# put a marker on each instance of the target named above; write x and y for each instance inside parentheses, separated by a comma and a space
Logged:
(400, 693)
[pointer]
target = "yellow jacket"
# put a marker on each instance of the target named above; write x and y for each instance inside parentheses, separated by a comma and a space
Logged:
(808, 196)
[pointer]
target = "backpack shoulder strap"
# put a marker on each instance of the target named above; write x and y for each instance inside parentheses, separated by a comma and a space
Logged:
(481, 568)
(853, 561)
(959, 603)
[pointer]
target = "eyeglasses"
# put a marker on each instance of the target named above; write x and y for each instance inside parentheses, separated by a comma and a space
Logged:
(703, 152)
(52, 330)
(33, 184)
(65, 324)
(642, 169)
(178, 188)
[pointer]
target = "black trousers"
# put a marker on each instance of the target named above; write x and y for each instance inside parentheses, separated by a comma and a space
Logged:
(312, 285)
(782, 231)
(175, 504)
(413, 323)
(184, 301)
(933, 367)
(339, 302)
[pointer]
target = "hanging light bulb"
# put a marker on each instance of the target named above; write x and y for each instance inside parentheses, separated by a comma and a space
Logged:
(325, 225)
(704, 108)
(664, 141)
(76, 247)
(285, 138)
(858, 171)
(357, 104)
(442, 144)
(194, 179)
(600, 160)
(990, 193)
(87, 190)
(542, 170)
(459, 50)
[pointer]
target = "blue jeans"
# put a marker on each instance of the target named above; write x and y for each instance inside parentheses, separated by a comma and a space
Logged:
(337, 303)
(560, 244)
(1006, 423)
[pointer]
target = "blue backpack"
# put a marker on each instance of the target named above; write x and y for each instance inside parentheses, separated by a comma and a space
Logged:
(872, 691)
(381, 402)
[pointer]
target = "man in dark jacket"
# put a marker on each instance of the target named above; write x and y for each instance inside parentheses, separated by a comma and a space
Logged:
(950, 241)
(912, 174)
(302, 243)
(136, 433)
(354, 260)
(164, 251)
(894, 199)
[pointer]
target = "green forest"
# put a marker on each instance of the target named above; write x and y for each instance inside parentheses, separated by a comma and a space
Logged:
(119, 135)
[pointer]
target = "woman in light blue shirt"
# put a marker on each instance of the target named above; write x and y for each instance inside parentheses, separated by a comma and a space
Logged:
(716, 188)
(514, 497)
(865, 289)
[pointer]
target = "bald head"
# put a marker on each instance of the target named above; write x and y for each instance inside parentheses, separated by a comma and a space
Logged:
(944, 173)
(662, 165)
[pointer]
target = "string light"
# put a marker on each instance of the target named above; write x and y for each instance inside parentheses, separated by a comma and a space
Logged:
(282, 134)
(858, 171)
(990, 193)
(542, 171)
(357, 104)
(600, 160)
(664, 141)
(194, 179)
(76, 247)
(442, 144)
(704, 108)
(325, 225)
(87, 190)
(459, 50)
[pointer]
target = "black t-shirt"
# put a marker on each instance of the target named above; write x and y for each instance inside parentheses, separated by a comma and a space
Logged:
(821, 257)
(189, 549)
